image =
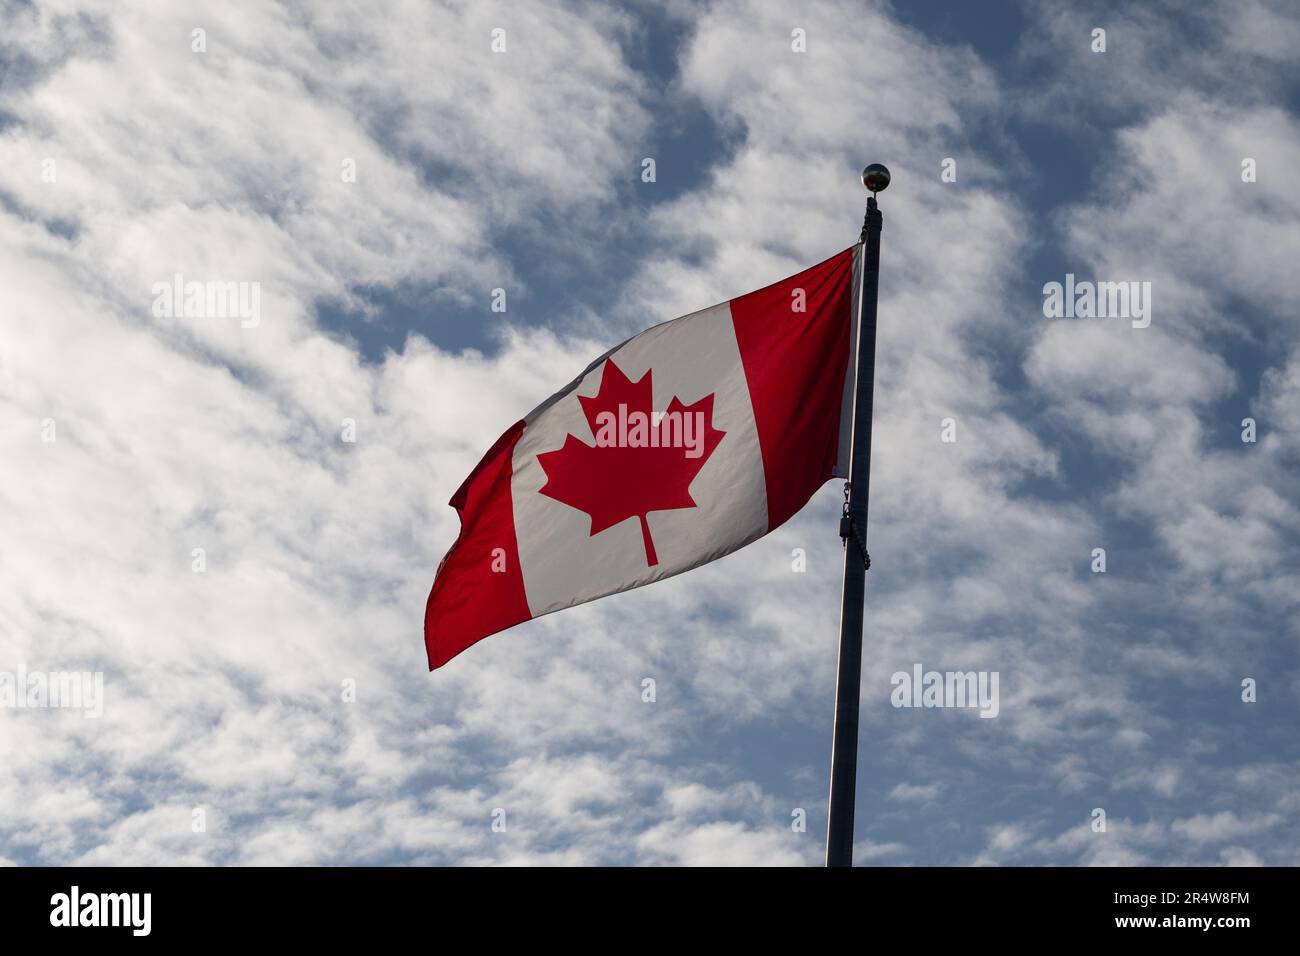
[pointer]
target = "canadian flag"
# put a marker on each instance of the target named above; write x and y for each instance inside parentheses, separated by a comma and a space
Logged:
(683, 444)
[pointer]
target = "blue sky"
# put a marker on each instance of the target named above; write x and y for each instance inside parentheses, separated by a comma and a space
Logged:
(521, 170)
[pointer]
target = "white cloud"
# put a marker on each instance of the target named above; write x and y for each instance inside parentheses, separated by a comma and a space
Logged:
(920, 792)
(1225, 825)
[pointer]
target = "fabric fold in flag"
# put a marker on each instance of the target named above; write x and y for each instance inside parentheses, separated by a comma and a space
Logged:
(675, 448)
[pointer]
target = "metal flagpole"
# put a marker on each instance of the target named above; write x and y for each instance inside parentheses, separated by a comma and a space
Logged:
(853, 529)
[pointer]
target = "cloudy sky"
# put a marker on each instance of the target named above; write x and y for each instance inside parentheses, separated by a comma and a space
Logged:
(379, 170)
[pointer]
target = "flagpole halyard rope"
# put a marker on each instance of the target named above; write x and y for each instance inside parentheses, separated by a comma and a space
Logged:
(850, 530)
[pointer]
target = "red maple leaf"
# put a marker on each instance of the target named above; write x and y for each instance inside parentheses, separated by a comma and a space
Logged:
(645, 469)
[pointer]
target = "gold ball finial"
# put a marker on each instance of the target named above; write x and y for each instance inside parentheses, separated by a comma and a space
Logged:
(876, 177)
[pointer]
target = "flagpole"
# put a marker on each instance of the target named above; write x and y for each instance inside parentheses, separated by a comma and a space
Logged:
(853, 531)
